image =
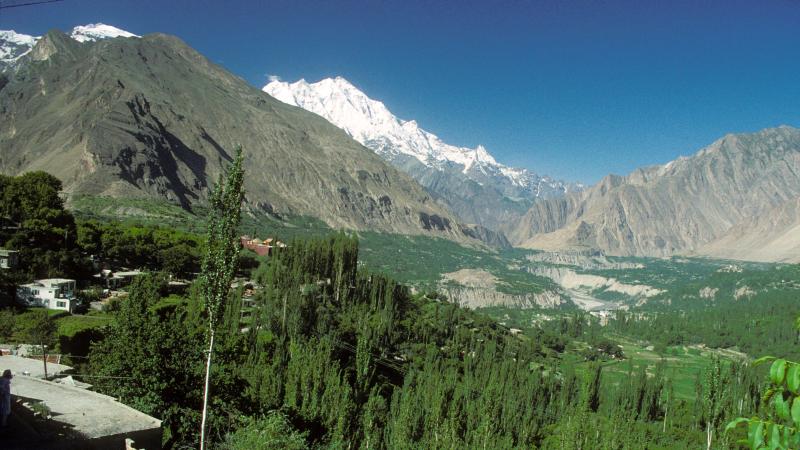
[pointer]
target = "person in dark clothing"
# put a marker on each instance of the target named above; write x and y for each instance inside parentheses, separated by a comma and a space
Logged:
(5, 396)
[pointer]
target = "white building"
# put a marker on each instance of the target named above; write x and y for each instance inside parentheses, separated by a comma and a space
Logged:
(8, 258)
(116, 280)
(51, 293)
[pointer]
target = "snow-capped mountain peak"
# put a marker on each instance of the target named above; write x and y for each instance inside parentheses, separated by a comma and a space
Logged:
(14, 46)
(96, 31)
(371, 123)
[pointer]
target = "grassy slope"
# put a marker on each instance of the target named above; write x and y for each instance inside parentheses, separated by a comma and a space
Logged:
(71, 325)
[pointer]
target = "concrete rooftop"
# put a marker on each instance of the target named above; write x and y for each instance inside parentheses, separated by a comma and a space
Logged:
(34, 367)
(91, 414)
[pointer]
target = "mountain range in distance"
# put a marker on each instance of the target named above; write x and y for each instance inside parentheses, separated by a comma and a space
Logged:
(150, 116)
(735, 199)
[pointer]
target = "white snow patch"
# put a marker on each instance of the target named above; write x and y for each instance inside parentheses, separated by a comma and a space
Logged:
(14, 45)
(96, 31)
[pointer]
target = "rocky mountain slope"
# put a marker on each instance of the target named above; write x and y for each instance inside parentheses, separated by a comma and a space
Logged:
(467, 180)
(733, 184)
(771, 236)
(151, 117)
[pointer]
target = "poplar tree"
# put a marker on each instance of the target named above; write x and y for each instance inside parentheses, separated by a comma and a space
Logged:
(219, 262)
(42, 331)
(712, 400)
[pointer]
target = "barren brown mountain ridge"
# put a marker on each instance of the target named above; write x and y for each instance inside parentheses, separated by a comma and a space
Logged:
(741, 185)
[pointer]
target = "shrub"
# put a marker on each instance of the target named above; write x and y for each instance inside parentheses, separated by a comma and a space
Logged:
(272, 431)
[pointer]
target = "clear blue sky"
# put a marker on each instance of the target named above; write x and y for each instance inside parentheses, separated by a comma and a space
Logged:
(574, 89)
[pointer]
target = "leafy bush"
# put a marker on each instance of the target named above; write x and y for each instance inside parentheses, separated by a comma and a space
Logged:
(7, 323)
(272, 431)
(781, 430)
(112, 305)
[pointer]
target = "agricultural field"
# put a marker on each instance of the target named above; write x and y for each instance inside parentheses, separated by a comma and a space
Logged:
(683, 365)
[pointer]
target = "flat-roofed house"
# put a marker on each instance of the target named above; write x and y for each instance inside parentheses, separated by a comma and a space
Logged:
(50, 293)
(116, 280)
(261, 248)
(80, 419)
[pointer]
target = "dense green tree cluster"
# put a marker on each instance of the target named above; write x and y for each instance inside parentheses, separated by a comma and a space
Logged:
(399, 371)
(728, 323)
(642, 411)
(579, 325)
(141, 246)
(152, 359)
(724, 317)
(148, 246)
(52, 243)
(35, 223)
(351, 358)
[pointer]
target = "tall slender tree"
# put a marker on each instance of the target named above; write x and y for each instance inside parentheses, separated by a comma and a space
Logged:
(41, 331)
(712, 399)
(219, 263)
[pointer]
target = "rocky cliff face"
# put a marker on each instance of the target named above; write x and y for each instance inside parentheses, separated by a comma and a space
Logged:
(677, 207)
(474, 297)
(486, 235)
(472, 202)
(151, 117)
(476, 288)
